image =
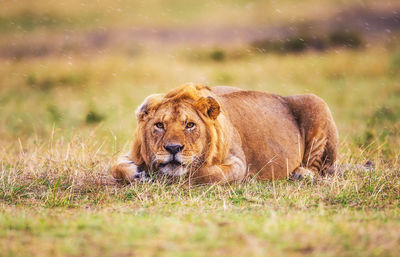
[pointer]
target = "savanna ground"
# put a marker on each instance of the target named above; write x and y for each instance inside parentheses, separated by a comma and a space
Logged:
(71, 75)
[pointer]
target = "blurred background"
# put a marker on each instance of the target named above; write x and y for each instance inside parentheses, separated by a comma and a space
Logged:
(82, 67)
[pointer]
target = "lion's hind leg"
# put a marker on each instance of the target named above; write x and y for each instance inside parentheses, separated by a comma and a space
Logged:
(301, 173)
(318, 131)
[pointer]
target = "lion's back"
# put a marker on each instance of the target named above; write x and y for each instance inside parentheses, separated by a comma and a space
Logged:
(268, 130)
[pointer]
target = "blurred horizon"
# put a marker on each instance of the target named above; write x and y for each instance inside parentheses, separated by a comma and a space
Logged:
(42, 28)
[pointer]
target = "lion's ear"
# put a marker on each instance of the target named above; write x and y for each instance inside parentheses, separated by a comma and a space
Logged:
(148, 104)
(208, 106)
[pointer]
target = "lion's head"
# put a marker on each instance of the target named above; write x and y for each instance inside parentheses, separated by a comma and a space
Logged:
(179, 132)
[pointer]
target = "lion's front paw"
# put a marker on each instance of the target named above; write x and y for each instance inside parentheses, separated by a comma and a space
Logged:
(129, 171)
(142, 176)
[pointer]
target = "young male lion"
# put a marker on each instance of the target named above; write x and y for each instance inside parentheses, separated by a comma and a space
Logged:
(225, 134)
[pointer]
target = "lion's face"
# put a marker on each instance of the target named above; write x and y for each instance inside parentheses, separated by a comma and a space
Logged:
(176, 138)
(175, 131)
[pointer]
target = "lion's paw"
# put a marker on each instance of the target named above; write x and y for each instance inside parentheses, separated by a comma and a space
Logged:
(302, 173)
(142, 176)
(130, 172)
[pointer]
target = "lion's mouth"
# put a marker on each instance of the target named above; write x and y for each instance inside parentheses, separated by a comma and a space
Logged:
(173, 167)
(173, 163)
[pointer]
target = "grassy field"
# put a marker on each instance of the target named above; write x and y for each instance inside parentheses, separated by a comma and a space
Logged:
(66, 116)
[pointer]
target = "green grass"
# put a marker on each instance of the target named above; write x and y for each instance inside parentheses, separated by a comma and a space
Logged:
(64, 119)
(63, 125)
(58, 200)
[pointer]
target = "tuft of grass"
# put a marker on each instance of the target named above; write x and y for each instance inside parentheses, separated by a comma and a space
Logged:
(94, 117)
(217, 55)
(56, 198)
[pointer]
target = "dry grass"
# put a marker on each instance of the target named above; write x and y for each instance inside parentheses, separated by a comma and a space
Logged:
(58, 199)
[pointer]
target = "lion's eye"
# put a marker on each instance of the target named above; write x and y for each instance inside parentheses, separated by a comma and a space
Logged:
(159, 125)
(189, 125)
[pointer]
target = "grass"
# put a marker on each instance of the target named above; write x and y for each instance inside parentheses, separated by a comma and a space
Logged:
(57, 199)
(64, 119)
(59, 140)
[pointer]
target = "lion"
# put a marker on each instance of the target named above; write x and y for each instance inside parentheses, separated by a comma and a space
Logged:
(225, 134)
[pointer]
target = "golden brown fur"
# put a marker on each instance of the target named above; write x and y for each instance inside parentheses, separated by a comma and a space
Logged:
(225, 134)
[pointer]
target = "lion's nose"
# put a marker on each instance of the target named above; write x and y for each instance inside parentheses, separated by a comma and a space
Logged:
(173, 149)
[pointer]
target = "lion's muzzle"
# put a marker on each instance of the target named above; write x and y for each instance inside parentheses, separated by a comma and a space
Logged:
(172, 164)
